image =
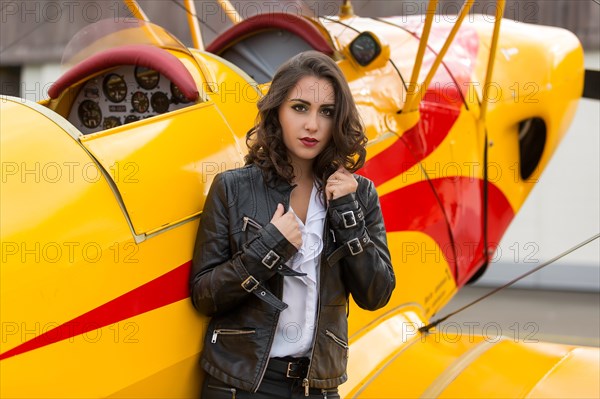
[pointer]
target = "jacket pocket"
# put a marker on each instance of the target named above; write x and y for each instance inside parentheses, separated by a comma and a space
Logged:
(336, 339)
(229, 332)
(225, 391)
(249, 223)
(250, 230)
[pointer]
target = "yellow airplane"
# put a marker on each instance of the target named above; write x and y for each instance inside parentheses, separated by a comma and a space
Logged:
(103, 185)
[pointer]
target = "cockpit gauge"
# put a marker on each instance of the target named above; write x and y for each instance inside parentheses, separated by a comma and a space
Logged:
(91, 92)
(147, 78)
(89, 114)
(139, 102)
(365, 48)
(114, 87)
(111, 121)
(131, 118)
(160, 102)
(178, 97)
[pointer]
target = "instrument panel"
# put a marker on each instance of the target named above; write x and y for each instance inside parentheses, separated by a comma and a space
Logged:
(124, 95)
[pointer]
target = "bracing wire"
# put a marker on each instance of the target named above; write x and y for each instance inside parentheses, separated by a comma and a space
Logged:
(425, 329)
(204, 23)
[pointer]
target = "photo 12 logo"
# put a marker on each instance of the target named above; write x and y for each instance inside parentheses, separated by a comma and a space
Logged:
(473, 331)
(66, 11)
(67, 172)
(15, 333)
(69, 252)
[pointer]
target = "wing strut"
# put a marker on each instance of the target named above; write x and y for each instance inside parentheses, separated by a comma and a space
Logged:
(415, 99)
(230, 11)
(136, 10)
(490, 66)
(481, 129)
(413, 86)
(190, 9)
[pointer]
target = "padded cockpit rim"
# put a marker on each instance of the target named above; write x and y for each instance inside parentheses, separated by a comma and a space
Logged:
(139, 54)
(292, 23)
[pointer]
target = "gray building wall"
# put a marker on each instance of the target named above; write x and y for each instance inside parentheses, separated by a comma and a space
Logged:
(36, 31)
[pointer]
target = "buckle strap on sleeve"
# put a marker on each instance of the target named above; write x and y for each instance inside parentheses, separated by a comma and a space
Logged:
(288, 271)
(271, 259)
(348, 219)
(352, 247)
(253, 286)
(250, 284)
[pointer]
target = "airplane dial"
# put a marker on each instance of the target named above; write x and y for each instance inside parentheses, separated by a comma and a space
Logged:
(365, 48)
(131, 118)
(160, 102)
(147, 78)
(139, 102)
(111, 121)
(89, 114)
(114, 87)
(178, 97)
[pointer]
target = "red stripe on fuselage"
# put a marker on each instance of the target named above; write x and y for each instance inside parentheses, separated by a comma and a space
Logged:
(416, 208)
(164, 290)
(414, 145)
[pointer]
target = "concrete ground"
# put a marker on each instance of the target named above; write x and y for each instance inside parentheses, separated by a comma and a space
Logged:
(524, 314)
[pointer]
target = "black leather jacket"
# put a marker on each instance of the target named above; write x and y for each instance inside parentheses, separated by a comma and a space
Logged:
(238, 270)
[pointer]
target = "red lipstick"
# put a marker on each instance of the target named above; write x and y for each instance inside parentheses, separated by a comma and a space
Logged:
(309, 141)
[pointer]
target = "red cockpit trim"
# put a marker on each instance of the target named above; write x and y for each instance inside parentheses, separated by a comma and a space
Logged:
(292, 23)
(139, 54)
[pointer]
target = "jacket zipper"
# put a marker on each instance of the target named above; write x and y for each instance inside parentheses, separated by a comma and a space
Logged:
(227, 331)
(264, 370)
(305, 382)
(247, 221)
(326, 391)
(251, 222)
(336, 339)
(233, 391)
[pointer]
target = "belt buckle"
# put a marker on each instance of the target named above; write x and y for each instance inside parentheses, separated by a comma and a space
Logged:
(289, 370)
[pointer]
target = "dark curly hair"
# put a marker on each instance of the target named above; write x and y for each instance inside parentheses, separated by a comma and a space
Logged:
(265, 141)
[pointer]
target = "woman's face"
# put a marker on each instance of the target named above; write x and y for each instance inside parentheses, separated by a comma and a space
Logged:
(306, 118)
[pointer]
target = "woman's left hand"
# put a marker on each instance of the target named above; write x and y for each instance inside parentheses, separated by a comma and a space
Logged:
(340, 183)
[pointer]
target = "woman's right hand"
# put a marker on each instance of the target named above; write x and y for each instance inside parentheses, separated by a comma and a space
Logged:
(287, 225)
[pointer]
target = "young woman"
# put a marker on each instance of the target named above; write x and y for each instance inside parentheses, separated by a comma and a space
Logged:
(284, 241)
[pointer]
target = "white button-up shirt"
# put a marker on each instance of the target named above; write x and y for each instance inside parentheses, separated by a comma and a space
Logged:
(296, 326)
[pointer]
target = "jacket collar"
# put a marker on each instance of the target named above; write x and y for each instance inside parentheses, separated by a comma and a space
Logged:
(281, 189)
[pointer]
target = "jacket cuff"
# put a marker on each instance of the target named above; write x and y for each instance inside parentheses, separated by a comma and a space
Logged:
(346, 217)
(343, 200)
(267, 252)
(275, 240)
